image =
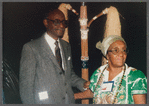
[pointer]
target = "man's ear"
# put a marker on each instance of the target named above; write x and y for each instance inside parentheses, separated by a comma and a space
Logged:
(45, 23)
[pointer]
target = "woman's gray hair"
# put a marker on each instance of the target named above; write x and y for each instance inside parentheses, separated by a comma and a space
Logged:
(107, 41)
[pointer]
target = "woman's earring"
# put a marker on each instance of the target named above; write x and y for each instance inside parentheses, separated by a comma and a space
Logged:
(107, 62)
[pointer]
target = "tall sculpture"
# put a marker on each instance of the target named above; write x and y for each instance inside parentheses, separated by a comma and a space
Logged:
(84, 44)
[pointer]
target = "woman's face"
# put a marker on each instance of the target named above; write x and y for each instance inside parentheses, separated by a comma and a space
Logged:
(116, 54)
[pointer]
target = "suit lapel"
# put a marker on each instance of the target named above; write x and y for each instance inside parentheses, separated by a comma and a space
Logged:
(64, 53)
(46, 52)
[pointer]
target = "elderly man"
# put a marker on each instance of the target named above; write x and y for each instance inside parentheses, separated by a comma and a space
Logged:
(46, 72)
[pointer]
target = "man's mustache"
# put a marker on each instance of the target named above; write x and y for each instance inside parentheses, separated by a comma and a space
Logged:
(60, 29)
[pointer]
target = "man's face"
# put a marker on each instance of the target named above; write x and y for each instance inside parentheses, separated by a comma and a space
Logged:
(55, 30)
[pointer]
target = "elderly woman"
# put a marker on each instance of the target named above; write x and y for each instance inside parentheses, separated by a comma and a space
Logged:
(115, 82)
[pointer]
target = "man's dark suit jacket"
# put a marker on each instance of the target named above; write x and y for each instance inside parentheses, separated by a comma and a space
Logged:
(41, 79)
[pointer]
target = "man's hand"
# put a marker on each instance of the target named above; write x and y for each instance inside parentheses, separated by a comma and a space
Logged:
(86, 84)
(84, 95)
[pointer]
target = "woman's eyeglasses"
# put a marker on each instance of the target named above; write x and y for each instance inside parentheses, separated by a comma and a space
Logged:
(116, 51)
(58, 22)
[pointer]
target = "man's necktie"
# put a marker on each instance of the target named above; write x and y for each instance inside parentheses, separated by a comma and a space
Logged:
(58, 55)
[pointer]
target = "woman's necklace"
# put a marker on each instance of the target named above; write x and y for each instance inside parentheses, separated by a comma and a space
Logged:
(119, 84)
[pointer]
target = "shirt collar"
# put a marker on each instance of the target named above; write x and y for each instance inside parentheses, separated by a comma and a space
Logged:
(50, 40)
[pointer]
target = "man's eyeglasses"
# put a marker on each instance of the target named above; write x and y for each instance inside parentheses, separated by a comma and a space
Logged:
(58, 22)
(116, 51)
